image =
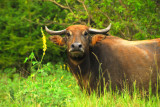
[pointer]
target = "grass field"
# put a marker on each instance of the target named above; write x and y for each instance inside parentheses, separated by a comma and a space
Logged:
(57, 87)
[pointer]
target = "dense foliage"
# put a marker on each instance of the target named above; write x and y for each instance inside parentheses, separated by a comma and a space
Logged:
(21, 21)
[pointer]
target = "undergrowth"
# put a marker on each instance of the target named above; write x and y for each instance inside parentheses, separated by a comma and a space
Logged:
(57, 88)
(60, 89)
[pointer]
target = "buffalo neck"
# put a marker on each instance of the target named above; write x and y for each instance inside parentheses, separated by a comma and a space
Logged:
(82, 68)
(83, 72)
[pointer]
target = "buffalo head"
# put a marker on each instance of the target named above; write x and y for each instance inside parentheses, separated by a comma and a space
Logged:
(77, 39)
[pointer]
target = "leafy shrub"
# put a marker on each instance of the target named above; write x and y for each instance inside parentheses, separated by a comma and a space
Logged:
(21, 21)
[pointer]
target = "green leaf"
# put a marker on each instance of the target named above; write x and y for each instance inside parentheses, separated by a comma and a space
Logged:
(26, 59)
(34, 62)
(31, 55)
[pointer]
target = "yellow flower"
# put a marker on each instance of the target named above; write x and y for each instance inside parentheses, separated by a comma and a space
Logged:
(44, 42)
(54, 79)
(61, 77)
(64, 66)
(70, 85)
(68, 68)
(60, 66)
(32, 75)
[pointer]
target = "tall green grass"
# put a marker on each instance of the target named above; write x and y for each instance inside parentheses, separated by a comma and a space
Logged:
(60, 89)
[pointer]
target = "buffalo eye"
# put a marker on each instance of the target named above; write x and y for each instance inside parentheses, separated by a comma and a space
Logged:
(68, 34)
(85, 33)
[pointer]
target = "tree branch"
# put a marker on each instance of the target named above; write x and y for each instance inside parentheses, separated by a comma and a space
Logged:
(85, 8)
(105, 14)
(70, 9)
(122, 4)
(46, 23)
(65, 7)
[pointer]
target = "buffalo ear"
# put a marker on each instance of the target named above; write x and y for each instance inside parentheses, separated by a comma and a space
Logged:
(97, 38)
(58, 40)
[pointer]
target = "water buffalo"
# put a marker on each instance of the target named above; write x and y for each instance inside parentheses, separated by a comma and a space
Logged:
(95, 61)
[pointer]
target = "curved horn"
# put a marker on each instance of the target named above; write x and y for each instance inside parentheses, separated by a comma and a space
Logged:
(51, 32)
(102, 31)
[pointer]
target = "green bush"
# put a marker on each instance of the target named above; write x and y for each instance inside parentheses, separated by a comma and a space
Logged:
(20, 31)
(21, 21)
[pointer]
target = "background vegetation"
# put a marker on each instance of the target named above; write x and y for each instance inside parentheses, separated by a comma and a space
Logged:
(49, 83)
(21, 21)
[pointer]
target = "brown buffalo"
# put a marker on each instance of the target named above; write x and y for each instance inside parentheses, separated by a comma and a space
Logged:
(98, 60)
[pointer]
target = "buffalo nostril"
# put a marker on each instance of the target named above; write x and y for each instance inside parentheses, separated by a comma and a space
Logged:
(76, 46)
(72, 45)
(80, 45)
